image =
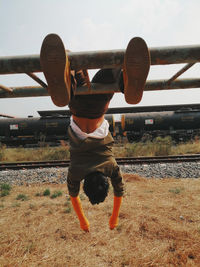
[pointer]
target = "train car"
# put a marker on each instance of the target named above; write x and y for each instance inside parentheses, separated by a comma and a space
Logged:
(181, 125)
(22, 131)
(115, 127)
(111, 120)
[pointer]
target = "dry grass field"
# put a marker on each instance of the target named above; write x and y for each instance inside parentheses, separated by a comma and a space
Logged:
(158, 147)
(159, 226)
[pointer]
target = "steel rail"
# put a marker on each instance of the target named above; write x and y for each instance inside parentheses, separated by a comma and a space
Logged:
(120, 161)
(33, 164)
(102, 59)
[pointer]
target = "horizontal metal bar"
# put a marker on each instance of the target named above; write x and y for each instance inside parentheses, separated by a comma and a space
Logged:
(26, 91)
(96, 88)
(156, 85)
(102, 59)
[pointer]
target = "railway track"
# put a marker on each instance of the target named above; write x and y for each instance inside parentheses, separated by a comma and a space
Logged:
(120, 161)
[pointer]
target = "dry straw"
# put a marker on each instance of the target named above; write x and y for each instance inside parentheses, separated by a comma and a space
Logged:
(159, 226)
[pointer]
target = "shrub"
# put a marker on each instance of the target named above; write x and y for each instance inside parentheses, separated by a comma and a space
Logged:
(68, 208)
(175, 190)
(5, 190)
(46, 192)
(5, 187)
(5, 193)
(22, 197)
(56, 194)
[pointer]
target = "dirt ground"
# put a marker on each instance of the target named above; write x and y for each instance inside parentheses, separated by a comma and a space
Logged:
(159, 225)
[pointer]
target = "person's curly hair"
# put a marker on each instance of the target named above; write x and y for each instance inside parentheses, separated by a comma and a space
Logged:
(96, 187)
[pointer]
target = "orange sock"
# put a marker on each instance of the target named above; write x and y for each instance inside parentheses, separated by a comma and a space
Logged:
(84, 223)
(113, 222)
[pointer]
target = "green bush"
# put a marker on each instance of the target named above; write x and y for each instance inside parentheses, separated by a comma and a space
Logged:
(5, 187)
(175, 190)
(22, 197)
(46, 192)
(56, 194)
(68, 208)
(4, 190)
(4, 193)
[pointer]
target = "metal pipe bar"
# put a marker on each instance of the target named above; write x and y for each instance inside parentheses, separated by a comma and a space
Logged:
(102, 59)
(37, 79)
(7, 116)
(153, 85)
(26, 91)
(181, 71)
(157, 85)
(5, 88)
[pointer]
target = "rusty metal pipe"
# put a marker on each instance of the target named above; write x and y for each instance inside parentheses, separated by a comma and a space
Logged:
(181, 71)
(102, 59)
(5, 88)
(153, 85)
(37, 79)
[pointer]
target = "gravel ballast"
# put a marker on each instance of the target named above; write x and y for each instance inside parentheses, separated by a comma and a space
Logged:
(59, 175)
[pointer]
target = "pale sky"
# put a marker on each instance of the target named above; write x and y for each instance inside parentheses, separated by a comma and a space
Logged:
(86, 25)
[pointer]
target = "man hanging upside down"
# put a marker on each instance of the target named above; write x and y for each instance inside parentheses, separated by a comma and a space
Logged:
(91, 157)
